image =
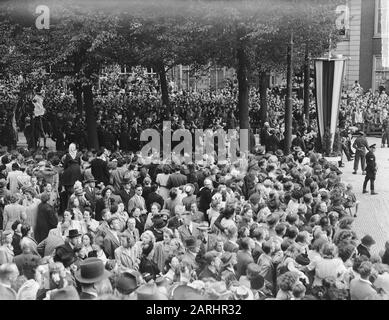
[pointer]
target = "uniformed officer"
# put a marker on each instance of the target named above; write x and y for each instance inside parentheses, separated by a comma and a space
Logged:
(371, 169)
(360, 145)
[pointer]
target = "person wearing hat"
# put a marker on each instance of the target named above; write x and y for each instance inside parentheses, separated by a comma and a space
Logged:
(127, 190)
(67, 293)
(227, 271)
(364, 247)
(192, 246)
(371, 170)
(149, 291)
(208, 240)
(126, 284)
(90, 192)
(91, 272)
(190, 196)
(360, 145)
(70, 247)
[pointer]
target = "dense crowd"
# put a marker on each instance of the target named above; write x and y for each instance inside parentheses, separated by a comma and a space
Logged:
(102, 225)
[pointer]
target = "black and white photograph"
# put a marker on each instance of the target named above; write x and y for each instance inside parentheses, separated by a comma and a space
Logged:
(211, 152)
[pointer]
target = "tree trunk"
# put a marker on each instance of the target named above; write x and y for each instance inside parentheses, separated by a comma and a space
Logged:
(243, 97)
(78, 95)
(164, 88)
(91, 124)
(307, 76)
(263, 85)
(243, 84)
(288, 98)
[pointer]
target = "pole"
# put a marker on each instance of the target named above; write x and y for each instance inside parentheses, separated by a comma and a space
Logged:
(307, 76)
(288, 98)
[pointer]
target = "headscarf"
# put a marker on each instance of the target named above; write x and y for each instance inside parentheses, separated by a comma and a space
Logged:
(73, 150)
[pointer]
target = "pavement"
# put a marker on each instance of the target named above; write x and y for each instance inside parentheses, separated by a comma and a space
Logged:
(373, 212)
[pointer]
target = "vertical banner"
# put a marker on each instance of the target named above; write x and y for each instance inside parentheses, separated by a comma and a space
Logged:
(328, 82)
(385, 31)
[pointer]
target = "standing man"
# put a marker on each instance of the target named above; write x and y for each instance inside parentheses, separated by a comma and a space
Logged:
(360, 144)
(385, 131)
(371, 169)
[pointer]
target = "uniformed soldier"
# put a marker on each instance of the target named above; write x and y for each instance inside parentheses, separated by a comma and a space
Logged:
(371, 169)
(360, 145)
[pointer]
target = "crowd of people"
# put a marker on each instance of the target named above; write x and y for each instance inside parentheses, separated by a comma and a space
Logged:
(113, 225)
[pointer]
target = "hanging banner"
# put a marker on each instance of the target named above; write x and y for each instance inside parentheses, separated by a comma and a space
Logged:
(328, 81)
(385, 32)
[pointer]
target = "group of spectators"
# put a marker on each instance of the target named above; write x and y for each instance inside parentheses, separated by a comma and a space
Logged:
(102, 225)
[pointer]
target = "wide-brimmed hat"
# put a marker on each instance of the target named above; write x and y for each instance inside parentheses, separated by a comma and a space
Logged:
(67, 293)
(149, 291)
(74, 233)
(89, 180)
(204, 225)
(243, 293)
(91, 270)
(189, 188)
(185, 292)
(368, 240)
(126, 181)
(128, 281)
(297, 149)
(191, 242)
(279, 153)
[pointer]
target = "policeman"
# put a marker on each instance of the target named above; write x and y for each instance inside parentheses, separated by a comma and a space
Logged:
(371, 169)
(360, 145)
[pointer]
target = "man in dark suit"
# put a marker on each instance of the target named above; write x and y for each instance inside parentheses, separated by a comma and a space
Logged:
(111, 239)
(176, 179)
(205, 195)
(211, 268)
(371, 170)
(192, 249)
(90, 192)
(71, 246)
(188, 228)
(244, 257)
(126, 192)
(100, 168)
(153, 197)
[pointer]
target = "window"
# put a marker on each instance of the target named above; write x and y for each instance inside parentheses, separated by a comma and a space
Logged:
(380, 74)
(343, 20)
(377, 18)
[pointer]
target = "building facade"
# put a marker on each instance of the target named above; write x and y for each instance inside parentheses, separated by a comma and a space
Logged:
(362, 44)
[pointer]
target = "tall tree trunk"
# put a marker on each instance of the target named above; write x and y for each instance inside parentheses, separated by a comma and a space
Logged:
(307, 76)
(288, 98)
(91, 124)
(243, 84)
(243, 94)
(263, 86)
(164, 88)
(78, 95)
